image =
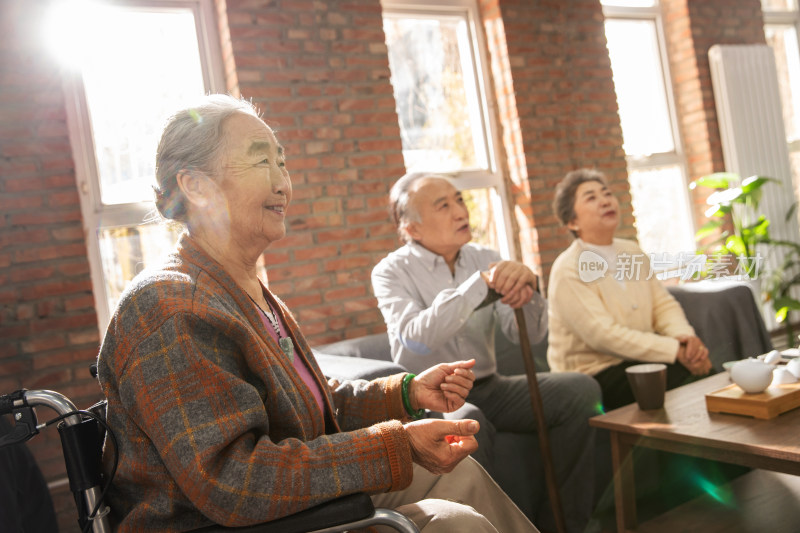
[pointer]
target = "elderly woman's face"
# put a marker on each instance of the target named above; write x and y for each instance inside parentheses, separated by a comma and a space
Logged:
(596, 212)
(254, 182)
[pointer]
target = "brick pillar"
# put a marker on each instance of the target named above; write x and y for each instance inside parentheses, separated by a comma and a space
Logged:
(691, 27)
(48, 324)
(558, 110)
(319, 71)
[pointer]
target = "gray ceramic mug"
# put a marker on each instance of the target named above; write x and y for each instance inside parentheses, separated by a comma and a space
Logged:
(649, 383)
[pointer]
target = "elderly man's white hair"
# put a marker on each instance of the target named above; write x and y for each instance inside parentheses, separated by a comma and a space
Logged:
(403, 212)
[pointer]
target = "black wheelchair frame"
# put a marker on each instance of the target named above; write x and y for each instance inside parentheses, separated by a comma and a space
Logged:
(82, 433)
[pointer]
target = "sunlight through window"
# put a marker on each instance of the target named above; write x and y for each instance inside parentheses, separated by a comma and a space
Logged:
(444, 127)
(129, 66)
(656, 169)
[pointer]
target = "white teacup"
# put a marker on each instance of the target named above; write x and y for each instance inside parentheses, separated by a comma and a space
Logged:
(751, 375)
(793, 366)
(783, 376)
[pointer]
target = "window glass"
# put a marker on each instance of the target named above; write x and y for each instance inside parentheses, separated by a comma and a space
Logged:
(436, 78)
(783, 5)
(435, 90)
(663, 221)
(119, 96)
(783, 40)
(127, 109)
(656, 168)
(482, 216)
(639, 82)
(126, 251)
(780, 28)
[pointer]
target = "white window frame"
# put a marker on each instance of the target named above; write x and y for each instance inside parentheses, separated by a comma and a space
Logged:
(678, 156)
(785, 17)
(96, 215)
(492, 178)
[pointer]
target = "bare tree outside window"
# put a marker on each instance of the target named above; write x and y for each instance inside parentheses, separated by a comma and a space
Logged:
(439, 109)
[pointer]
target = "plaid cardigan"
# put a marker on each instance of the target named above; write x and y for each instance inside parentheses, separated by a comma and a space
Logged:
(213, 423)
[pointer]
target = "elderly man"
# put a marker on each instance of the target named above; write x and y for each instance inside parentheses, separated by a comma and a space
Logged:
(434, 296)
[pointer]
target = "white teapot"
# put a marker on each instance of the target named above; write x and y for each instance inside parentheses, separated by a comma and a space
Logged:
(752, 375)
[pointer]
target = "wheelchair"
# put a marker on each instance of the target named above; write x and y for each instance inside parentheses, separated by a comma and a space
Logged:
(82, 434)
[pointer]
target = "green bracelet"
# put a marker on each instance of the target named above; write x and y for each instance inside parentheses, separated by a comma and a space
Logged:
(407, 402)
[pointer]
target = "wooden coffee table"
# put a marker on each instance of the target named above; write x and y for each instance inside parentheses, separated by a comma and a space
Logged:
(685, 426)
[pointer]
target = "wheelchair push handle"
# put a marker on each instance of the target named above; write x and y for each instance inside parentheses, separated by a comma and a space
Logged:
(25, 425)
(84, 473)
(9, 401)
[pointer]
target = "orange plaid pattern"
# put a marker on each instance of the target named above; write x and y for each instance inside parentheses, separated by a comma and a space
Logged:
(213, 423)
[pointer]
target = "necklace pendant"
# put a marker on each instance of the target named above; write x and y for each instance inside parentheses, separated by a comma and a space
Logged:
(287, 346)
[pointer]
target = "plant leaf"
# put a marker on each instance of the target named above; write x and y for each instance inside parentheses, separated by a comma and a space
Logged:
(754, 183)
(736, 245)
(717, 180)
(757, 231)
(790, 212)
(726, 197)
(783, 306)
(718, 210)
(708, 228)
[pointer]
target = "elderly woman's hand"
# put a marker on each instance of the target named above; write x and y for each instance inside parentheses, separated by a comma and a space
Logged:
(513, 280)
(693, 354)
(443, 387)
(439, 445)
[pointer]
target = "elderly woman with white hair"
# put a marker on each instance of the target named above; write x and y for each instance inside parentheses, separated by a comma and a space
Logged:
(221, 413)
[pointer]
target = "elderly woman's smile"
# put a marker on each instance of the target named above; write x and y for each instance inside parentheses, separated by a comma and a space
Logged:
(276, 208)
(254, 183)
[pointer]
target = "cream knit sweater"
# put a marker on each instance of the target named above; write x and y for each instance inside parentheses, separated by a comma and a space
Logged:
(597, 324)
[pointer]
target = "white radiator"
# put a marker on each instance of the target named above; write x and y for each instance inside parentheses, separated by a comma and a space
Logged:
(750, 120)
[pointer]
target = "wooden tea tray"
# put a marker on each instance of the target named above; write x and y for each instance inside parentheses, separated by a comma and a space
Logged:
(776, 399)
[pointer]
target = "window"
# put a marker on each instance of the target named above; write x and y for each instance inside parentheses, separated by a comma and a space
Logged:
(155, 56)
(781, 22)
(656, 166)
(436, 54)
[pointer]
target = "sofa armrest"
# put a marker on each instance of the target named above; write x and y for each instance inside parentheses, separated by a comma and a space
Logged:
(725, 316)
(374, 346)
(342, 367)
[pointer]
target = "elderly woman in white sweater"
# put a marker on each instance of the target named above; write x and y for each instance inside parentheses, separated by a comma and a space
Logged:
(603, 321)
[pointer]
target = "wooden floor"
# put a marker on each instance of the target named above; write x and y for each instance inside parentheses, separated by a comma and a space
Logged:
(757, 502)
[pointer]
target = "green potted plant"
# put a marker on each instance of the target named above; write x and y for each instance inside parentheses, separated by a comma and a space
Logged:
(735, 206)
(782, 279)
(736, 200)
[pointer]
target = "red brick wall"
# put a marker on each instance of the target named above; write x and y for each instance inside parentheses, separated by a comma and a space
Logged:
(691, 27)
(48, 325)
(558, 110)
(319, 71)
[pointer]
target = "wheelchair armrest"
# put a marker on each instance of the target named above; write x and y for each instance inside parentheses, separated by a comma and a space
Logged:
(342, 510)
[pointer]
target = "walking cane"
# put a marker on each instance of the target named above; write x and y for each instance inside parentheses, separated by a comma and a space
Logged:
(538, 411)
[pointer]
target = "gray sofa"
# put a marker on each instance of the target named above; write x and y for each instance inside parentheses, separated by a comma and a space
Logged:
(724, 315)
